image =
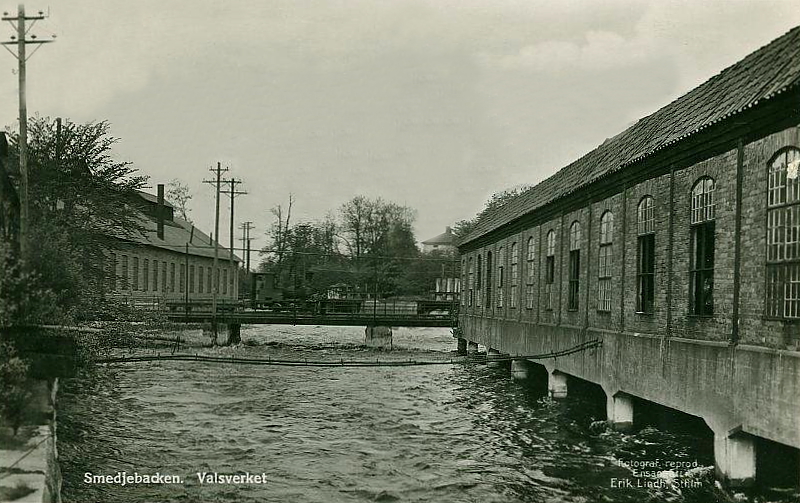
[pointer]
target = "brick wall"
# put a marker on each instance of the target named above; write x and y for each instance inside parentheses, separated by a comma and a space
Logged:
(671, 316)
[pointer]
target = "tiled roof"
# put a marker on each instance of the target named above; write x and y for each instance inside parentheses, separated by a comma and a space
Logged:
(177, 233)
(762, 75)
(445, 238)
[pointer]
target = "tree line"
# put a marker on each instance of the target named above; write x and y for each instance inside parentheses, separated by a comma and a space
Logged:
(365, 249)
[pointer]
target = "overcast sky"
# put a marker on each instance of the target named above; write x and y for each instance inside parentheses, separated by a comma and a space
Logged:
(431, 104)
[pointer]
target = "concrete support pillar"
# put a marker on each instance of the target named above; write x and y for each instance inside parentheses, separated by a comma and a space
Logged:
(215, 331)
(491, 357)
(472, 348)
(378, 337)
(556, 384)
(234, 333)
(735, 459)
(519, 369)
(619, 411)
(462, 347)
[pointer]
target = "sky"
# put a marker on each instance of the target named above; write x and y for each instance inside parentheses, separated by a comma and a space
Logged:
(433, 104)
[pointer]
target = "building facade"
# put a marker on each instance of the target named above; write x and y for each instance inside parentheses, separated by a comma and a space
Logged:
(677, 244)
(172, 262)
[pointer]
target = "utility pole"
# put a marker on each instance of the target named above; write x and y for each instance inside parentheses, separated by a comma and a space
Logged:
(215, 276)
(233, 193)
(246, 228)
(22, 58)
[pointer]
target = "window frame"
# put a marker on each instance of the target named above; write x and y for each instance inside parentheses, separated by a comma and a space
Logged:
(550, 270)
(573, 297)
(702, 248)
(514, 297)
(782, 257)
(530, 272)
(605, 260)
(645, 255)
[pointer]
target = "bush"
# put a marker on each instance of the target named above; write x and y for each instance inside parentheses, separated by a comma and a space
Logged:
(14, 395)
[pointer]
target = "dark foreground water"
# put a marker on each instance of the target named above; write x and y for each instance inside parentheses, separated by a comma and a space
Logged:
(450, 433)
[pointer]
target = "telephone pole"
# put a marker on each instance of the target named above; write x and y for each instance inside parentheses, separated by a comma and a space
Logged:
(233, 193)
(21, 41)
(246, 228)
(215, 276)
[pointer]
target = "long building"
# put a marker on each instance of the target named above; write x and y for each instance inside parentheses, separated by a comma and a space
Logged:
(171, 262)
(677, 244)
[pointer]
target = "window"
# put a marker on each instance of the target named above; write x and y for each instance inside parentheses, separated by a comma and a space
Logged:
(471, 280)
(182, 278)
(172, 277)
(550, 270)
(783, 235)
(112, 272)
(701, 267)
(478, 287)
(155, 275)
(135, 273)
(124, 272)
(530, 256)
(146, 275)
(164, 277)
(225, 281)
(463, 279)
(605, 259)
(501, 258)
(191, 279)
(574, 265)
(200, 279)
(514, 276)
(209, 280)
(645, 256)
(488, 280)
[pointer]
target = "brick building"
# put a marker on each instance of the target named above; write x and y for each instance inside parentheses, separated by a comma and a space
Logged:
(159, 266)
(677, 244)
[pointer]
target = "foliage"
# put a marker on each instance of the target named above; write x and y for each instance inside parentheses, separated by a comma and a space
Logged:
(463, 228)
(178, 194)
(81, 202)
(13, 394)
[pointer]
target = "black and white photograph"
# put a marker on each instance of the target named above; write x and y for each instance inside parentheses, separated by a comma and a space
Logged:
(446, 251)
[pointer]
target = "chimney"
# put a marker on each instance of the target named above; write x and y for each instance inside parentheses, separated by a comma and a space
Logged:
(160, 211)
(191, 233)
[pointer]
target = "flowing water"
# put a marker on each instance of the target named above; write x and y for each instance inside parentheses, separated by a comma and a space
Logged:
(444, 433)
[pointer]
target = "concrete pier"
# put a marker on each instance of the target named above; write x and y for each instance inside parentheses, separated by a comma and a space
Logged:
(234, 333)
(519, 369)
(378, 337)
(491, 357)
(556, 384)
(735, 459)
(619, 411)
(462, 347)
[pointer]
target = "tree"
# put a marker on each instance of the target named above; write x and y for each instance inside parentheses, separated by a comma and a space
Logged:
(81, 201)
(178, 194)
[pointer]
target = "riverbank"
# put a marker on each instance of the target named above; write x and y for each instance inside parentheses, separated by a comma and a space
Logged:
(29, 463)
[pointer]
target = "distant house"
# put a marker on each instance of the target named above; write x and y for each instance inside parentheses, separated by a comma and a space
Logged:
(445, 242)
(159, 266)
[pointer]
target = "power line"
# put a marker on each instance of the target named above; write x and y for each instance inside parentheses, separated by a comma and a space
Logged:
(215, 288)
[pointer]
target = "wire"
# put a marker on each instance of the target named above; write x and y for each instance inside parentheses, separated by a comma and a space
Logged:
(347, 363)
(8, 470)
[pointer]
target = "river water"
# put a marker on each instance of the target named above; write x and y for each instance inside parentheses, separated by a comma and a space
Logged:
(444, 433)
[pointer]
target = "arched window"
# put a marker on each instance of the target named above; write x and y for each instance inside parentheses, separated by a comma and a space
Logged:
(574, 265)
(550, 270)
(783, 235)
(530, 256)
(514, 276)
(479, 282)
(501, 260)
(605, 259)
(489, 280)
(645, 256)
(701, 266)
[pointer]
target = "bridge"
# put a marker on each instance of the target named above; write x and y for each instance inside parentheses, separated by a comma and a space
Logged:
(378, 319)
